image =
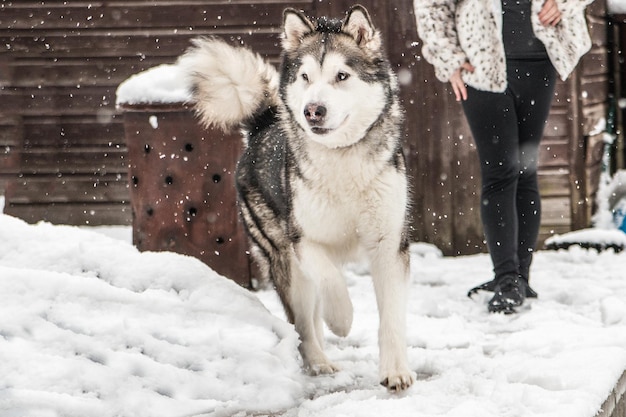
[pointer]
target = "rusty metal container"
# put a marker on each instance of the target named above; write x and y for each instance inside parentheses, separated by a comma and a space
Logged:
(182, 188)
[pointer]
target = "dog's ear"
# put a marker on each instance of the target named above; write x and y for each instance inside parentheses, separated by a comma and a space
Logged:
(295, 27)
(359, 25)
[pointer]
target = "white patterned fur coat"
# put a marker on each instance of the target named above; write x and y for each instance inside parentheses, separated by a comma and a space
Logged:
(454, 31)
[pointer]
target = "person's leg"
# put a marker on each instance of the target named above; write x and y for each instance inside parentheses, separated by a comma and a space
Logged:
(532, 84)
(493, 122)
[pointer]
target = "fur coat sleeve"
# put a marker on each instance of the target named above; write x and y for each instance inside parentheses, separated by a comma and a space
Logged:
(437, 29)
(568, 41)
(455, 31)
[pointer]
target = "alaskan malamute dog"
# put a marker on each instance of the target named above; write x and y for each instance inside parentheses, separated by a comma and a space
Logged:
(322, 178)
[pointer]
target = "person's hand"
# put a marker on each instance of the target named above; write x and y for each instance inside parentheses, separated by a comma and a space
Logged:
(456, 81)
(550, 15)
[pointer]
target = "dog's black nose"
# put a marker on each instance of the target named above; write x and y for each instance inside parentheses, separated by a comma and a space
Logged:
(315, 113)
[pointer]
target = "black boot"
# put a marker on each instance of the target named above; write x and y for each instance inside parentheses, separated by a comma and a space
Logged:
(489, 286)
(508, 293)
(530, 293)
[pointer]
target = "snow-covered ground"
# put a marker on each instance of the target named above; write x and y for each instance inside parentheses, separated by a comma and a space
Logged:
(91, 327)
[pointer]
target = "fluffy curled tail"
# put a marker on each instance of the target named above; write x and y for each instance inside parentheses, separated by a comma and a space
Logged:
(231, 86)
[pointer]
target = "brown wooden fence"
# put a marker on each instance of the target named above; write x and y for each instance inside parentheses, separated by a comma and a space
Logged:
(62, 148)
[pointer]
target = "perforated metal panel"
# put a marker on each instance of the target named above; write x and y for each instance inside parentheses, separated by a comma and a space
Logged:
(182, 189)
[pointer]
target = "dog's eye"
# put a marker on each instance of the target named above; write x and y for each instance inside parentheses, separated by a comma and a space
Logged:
(305, 77)
(342, 76)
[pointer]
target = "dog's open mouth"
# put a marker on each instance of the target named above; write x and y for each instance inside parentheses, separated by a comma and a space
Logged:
(320, 130)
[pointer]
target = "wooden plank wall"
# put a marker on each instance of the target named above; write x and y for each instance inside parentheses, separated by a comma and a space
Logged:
(63, 62)
(594, 97)
(444, 164)
(617, 40)
(60, 65)
(571, 151)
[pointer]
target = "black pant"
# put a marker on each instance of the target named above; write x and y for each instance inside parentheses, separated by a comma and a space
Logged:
(507, 128)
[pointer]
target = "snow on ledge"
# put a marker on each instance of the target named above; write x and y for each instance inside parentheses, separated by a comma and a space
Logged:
(593, 237)
(616, 6)
(163, 84)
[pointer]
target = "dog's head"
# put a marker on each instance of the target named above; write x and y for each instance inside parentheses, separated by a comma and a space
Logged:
(335, 78)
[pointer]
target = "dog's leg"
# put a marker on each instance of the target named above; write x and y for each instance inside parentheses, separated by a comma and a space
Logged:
(390, 272)
(337, 306)
(335, 301)
(304, 299)
(298, 292)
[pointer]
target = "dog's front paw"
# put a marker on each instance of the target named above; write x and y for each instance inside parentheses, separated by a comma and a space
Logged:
(322, 368)
(398, 380)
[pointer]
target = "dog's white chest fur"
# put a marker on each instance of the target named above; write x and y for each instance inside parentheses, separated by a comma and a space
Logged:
(343, 196)
(328, 218)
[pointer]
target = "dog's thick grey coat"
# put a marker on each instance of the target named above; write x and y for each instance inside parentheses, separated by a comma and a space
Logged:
(323, 177)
